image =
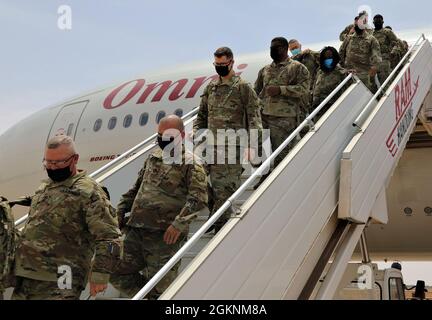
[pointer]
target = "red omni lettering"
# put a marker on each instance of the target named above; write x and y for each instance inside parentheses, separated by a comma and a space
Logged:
(159, 90)
(109, 100)
(164, 86)
(403, 94)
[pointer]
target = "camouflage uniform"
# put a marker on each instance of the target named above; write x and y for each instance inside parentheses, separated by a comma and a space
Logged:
(8, 237)
(68, 223)
(311, 61)
(361, 52)
(325, 84)
(163, 195)
(227, 105)
(282, 113)
(345, 32)
(389, 46)
(398, 53)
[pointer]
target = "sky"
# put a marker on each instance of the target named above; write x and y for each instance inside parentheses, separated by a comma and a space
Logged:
(113, 40)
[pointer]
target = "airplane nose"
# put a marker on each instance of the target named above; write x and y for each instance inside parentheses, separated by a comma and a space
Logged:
(21, 153)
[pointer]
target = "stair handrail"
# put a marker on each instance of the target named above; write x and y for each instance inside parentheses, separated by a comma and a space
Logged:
(360, 120)
(228, 204)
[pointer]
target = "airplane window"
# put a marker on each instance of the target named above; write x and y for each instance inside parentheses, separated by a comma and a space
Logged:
(179, 113)
(97, 125)
(160, 115)
(127, 121)
(69, 130)
(112, 123)
(143, 119)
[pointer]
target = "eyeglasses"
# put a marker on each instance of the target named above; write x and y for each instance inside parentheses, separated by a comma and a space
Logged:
(166, 137)
(222, 64)
(57, 163)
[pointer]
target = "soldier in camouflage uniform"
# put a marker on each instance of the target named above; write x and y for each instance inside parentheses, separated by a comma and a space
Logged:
(163, 201)
(361, 53)
(282, 86)
(402, 50)
(227, 103)
(70, 220)
(7, 245)
(399, 52)
(311, 61)
(350, 29)
(388, 45)
(330, 75)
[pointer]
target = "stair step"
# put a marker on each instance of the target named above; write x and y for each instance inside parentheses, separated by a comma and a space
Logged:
(239, 203)
(207, 236)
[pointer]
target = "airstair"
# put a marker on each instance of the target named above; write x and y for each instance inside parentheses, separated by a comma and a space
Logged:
(312, 209)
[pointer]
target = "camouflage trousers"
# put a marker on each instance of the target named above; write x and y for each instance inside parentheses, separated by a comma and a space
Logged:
(280, 129)
(145, 253)
(367, 80)
(30, 289)
(384, 71)
(225, 179)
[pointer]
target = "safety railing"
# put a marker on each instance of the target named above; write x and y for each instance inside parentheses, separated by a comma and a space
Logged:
(360, 120)
(235, 196)
(123, 156)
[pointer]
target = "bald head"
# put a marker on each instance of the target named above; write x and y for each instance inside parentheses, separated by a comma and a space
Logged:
(171, 122)
(171, 133)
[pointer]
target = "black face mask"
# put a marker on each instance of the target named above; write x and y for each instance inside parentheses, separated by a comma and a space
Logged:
(275, 54)
(358, 30)
(59, 175)
(223, 71)
(378, 25)
(163, 143)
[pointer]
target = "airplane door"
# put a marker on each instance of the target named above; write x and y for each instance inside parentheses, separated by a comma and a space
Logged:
(68, 119)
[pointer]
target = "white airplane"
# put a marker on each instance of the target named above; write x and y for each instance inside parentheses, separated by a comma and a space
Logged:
(108, 121)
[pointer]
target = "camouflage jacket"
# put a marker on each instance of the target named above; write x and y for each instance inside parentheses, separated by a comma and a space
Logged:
(345, 32)
(360, 52)
(326, 82)
(68, 223)
(311, 60)
(230, 105)
(397, 54)
(293, 79)
(8, 237)
(388, 43)
(165, 194)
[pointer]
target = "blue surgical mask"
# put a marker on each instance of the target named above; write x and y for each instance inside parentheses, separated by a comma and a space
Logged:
(328, 63)
(295, 52)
